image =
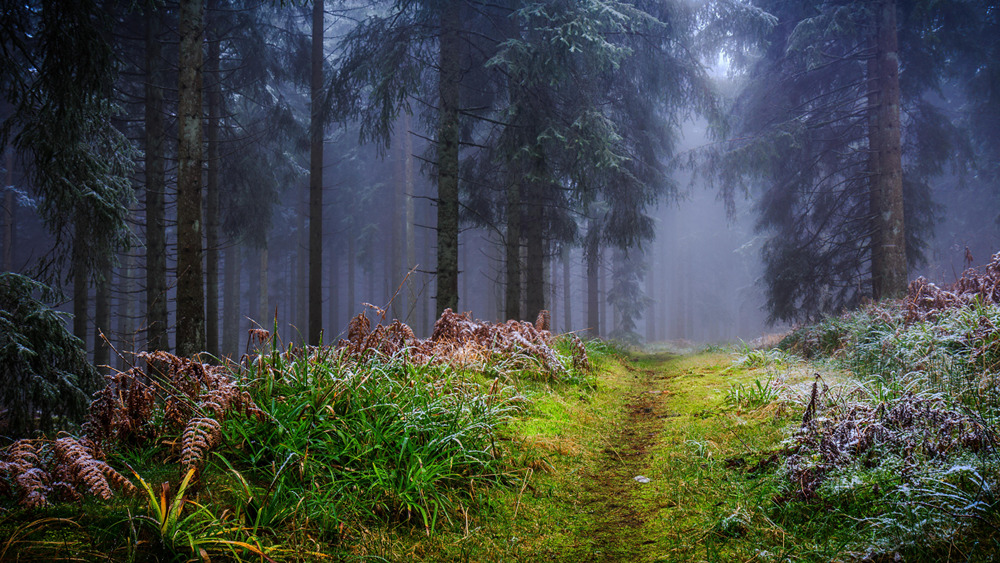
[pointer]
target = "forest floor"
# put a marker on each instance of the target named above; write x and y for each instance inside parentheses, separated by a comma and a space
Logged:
(655, 462)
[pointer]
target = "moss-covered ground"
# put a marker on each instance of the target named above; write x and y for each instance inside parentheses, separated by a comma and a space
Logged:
(711, 463)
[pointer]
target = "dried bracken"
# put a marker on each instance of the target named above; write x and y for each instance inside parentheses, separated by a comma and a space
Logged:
(199, 437)
(75, 465)
(459, 340)
(21, 467)
(121, 411)
(925, 299)
(857, 432)
(580, 358)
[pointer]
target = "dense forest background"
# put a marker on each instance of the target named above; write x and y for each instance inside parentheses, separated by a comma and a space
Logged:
(182, 172)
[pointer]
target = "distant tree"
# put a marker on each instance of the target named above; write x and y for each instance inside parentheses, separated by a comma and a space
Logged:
(316, 130)
(190, 288)
(409, 49)
(155, 183)
(814, 127)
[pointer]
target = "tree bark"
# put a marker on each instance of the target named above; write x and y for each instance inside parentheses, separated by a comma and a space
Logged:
(231, 302)
(889, 269)
(512, 247)
(81, 321)
(126, 309)
(265, 316)
(316, 178)
(212, 198)
(156, 237)
(447, 156)
(593, 255)
(535, 264)
(411, 246)
(567, 278)
(9, 204)
(190, 288)
(352, 259)
(102, 317)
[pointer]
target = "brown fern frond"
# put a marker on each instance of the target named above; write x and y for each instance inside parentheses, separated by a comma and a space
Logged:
(544, 320)
(33, 486)
(75, 465)
(579, 351)
(200, 435)
(23, 467)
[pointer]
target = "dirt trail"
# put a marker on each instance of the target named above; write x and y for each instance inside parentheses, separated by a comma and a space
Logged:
(611, 488)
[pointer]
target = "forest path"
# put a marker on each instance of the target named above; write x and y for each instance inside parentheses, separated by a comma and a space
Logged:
(612, 488)
(704, 461)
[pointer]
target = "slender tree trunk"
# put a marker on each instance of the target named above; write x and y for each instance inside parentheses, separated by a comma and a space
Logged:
(333, 316)
(102, 317)
(411, 246)
(81, 321)
(9, 204)
(352, 305)
(156, 237)
(447, 155)
(593, 255)
(316, 177)
(512, 246)
(126, 308)
(266, 317)
(889, 270)
(398, 196)
(212, 197)
(190, 288)
(567, 288)
(231, 302)
(299, 285)
(535, 264)
(651, 291)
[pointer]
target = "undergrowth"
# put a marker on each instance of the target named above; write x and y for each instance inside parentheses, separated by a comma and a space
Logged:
(290, 454)
(910, 452)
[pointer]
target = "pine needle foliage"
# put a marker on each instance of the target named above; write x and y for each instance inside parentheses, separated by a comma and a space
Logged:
(45, 378)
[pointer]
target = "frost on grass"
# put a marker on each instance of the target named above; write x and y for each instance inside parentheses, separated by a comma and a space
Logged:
(911, 428)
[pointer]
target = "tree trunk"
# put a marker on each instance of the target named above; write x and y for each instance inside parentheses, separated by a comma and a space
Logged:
(102, 317)
(190, 288)
(333, 316)
(889, 271)
(447, 156)
(156, 237)
(512, 246)
(352, 305)
(316, 178)
(265, 316)
(593, 255)
(651, 291)
(411, 252)
(126, 309)
(397, 197)
(534, 234)
(8, 213)
(231, 302)
(567, 290)
(81, 321)
(212, 198)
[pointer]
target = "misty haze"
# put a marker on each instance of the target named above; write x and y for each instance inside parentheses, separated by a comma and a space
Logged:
(453, 280)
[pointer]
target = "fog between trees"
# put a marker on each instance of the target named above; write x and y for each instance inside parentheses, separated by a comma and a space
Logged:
(648, 171)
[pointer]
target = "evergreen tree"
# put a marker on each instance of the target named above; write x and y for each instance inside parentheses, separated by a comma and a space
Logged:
(815, 130)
